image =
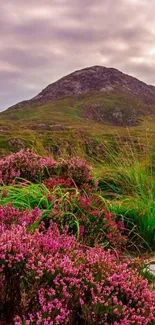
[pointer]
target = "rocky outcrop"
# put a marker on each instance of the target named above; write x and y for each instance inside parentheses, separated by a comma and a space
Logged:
(16, 143)
(115, 116)
(47, 127)
(152, 269)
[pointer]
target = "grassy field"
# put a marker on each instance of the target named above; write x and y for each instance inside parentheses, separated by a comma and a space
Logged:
(71, 126)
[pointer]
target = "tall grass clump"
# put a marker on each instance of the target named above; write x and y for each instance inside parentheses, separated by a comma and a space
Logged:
(128, 183)
(27, 196)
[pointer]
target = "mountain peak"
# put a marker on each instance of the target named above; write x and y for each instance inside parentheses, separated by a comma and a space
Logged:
(95, 78)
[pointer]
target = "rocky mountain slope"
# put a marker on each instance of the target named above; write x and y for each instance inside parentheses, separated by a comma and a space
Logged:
(81, 114)
(96, 78)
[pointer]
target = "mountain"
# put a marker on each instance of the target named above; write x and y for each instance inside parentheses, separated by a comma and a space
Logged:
(81, 114)
(96, 78)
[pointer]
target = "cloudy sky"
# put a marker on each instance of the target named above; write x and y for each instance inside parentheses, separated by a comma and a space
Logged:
(41, 41)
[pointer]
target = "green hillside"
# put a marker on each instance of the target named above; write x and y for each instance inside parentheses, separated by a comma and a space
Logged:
(83, 125)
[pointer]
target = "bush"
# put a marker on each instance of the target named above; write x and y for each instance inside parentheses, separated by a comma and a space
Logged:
(9, 215)
(32, 167)
(25, 164)
(76, 169)
(48, 278)
(52, 182)
(90, 226)
(88, 218)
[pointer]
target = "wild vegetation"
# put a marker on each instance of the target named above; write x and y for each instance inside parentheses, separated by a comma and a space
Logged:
(77, 203)
(76, 242)
(82, 125)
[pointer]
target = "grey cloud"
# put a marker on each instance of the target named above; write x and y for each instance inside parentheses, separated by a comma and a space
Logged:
(25, 59)
(40, 41)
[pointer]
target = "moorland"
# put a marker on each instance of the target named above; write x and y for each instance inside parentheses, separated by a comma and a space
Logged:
(77, 203)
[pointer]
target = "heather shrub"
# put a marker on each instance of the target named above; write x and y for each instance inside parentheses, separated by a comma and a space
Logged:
(86, 217)
(59, 181)
(48, 278)
(9, 215)
(25, 164)
(76, 169)
(89, 226)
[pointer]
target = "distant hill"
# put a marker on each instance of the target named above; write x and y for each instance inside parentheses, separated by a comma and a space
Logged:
(79, 110)
(96, 78)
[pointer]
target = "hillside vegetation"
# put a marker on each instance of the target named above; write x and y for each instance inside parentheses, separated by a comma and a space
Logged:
(75, 249)
(81, 126)
(77, 203)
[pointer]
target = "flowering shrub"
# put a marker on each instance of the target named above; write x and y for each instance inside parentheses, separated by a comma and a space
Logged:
(87, 217)
(25, 164)
(76, 169)
(32, 167)
(51, 182)
(48, 278)
(9, 215)
(90, 226)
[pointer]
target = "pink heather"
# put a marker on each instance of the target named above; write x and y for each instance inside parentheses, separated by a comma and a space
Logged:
(67, 281)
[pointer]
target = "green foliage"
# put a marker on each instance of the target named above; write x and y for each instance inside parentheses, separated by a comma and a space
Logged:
(129, 187)
(26, 197)
(84, 214)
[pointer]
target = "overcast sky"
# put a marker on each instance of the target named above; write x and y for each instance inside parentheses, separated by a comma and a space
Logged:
(41, 41)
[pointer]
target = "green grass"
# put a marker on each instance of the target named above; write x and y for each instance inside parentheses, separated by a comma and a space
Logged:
(128, 186)
(79, 133)
(26, 197)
